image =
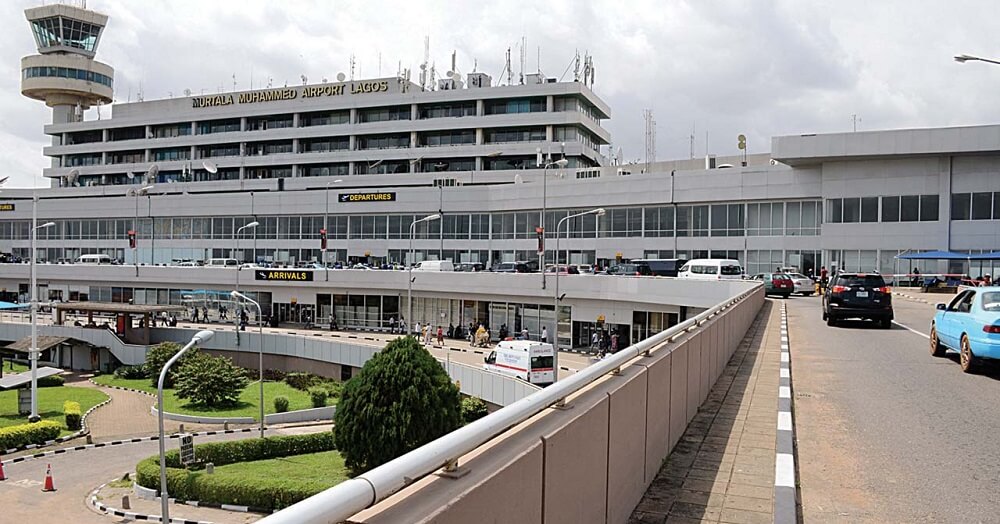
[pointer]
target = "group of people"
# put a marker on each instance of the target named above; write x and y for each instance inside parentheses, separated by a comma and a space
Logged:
(603, 342)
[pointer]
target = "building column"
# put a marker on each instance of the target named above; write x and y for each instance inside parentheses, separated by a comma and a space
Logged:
(550, 103)
(480, 107)
(414, 112)
(295, 120)
(243, 123)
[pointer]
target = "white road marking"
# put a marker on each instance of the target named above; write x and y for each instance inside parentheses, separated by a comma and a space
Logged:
(784, 470)
(784, 392)
(908, 328)
(784, 356)
(783, 373)
(784, 421)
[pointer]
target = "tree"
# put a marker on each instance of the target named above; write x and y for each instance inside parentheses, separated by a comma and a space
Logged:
(401, 400)
(210, 381)
(158, 356)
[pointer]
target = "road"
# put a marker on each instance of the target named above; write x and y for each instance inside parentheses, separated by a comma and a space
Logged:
(885, 432)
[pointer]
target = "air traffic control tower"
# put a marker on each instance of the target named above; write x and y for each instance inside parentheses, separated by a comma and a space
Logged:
(64, 74)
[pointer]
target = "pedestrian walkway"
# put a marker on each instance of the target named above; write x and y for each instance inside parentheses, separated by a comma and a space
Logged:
(722, 470)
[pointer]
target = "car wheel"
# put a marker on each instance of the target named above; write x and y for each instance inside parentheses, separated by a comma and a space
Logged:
(824, 314)
(967, 359)
(807, 294)
(937, 350)
(830, 321)
(885, 323)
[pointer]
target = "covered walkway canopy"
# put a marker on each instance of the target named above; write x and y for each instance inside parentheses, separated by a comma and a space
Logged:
(11, 305)
(949, 255)
(123, 314)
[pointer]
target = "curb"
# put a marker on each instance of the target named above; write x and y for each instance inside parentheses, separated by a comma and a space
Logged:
(785, 490)
(120, 442)
(911, 297)
(104, 508)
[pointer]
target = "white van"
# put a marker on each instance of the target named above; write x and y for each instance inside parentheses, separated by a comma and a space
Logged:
(711, 269)
(222, 262)
(524, 359)
(94, 259)
(435, 265)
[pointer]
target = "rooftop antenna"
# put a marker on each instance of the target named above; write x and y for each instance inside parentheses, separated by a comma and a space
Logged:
(576, 66)
(647, 115)
(509, 69)
(475, 65)
(691, 138)
(520, 73)
(352, 66)
(433, 79)
(423, 65)
(538, 60)
(234, 83)
(453, 57)
(855, 118)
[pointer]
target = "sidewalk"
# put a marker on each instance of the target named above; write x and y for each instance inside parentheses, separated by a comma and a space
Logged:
(722, 470)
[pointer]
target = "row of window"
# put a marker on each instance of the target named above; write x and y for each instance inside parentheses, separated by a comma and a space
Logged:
(56, 30)
(906, 208)
(975, 206)
(67, 72)
(688, 221)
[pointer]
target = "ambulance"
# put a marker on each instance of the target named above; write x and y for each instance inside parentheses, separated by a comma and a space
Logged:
(524, 359)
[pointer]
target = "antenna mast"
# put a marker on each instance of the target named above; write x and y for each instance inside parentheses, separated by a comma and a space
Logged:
(647, 115)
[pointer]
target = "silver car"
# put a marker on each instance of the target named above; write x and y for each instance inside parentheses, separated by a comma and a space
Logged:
(803, 284)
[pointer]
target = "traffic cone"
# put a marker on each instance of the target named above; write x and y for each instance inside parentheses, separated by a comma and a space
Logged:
(3, 476)
(48, 479)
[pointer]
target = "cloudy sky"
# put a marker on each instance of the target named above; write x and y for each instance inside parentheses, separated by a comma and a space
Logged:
(721, 67)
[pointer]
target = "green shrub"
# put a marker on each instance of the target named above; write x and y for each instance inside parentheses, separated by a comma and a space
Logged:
(157, 357)
(318, 396)
(401, 400)
(51, 381)
(73, 417)
(131, 372)
(473, 409)
(280, 404)
(302, 381)
(333, 388)
(33, 433)
(262, 493)
(210, 381)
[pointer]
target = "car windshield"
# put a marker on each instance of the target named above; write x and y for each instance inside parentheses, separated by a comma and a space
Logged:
(991, 301)
(861, 280)
(731, 270)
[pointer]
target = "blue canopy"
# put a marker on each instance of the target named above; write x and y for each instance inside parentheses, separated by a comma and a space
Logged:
(10, 305)
(986, 256)
(935, 255)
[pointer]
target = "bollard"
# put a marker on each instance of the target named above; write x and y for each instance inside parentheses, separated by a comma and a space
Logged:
(181, 428)
(125, 502)
(209, 468)
(225, 425)
(90, 439)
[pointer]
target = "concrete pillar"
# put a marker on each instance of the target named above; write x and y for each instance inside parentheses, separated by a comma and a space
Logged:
(550, 103)
(243, 123)
(549, 134)
(413, 139)
(480, 108)
(354, 116)
(295, 120)
(479, 136)
(414, 112)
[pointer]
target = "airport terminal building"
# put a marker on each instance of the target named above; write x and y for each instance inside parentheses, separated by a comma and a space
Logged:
(359, 161)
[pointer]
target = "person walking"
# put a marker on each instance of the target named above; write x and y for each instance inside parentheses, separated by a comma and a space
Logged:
(524, 333)
(392, 324)
(545, 334)
(416, 329)
(440, 336)
(194, 314)
(614, 342)
(593, 341)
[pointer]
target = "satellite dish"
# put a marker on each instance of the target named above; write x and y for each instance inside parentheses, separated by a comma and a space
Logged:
(341, 77)
(210, 167)
(130, 175)
(187, 92)
(151, 173)
(71, 178)
(518, 179)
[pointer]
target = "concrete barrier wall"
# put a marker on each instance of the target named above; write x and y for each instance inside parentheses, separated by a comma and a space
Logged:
(494, 388)
(592, 462)
(302, 415)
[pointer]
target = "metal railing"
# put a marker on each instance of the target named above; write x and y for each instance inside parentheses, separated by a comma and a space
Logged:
(340, 502)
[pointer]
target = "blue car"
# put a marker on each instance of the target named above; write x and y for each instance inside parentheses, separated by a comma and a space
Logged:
(970, 324)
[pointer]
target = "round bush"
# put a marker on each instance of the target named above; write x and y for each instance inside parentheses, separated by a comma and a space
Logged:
(473, 409)
(131, 372)
(71, 410)
(318, 396)
(280, 404)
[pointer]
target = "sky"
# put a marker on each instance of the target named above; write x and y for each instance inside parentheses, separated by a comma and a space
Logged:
(710, 70)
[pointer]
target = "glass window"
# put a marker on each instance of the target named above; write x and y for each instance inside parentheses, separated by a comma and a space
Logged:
(982, 206)
(929, 208)
(909, 208)
(852, 210)
(961, 206)
(869, 209)
(890, 209)
(835, 209)
(996, 206)
(699, 221)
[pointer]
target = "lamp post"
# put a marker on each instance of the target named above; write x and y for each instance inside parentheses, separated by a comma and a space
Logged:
(441, 212)
(200, 337)
(34, 309)
(326, 226)
(236, 238)
(409, 270)
(135, 224)
(561, 163)
(969, 58)
(260, 354)
(555, 335)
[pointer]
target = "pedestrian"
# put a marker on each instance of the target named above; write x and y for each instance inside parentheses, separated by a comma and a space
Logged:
(451, 330)
(614, 342)
(392, 324)
(440, 336)
(524, 333)
(194, 315)
(545, 334)
(916, 276)
(204, 313)
(416, 329)
(593, 340)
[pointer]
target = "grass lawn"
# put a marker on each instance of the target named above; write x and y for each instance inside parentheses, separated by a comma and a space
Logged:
(320, 470)
(14, 367)
(245, 407)
(50, 404)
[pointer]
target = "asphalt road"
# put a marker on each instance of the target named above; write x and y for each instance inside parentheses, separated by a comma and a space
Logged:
(885, 432)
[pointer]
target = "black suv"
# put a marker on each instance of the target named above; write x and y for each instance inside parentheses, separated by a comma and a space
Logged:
(858, 295)
(631, 269)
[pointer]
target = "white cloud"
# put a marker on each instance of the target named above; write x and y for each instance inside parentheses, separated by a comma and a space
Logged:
(726, 67)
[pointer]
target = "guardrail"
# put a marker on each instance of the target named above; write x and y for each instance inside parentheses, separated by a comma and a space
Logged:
(340, 502)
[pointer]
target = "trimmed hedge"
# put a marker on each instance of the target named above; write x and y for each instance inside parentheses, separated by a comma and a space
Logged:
(131, 372)
(73, 416)
(52, 381)
(318, 396)
(280, 404)
(267, 493)
(33, 433)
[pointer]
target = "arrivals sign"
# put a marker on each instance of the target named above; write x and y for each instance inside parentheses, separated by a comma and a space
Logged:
(367, 197)
(283, 275)
(6, 207)
(291, 93)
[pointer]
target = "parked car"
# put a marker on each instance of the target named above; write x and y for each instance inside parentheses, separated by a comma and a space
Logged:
(511, 267)
(858, 295)
(803, 284)
(470, 267)
(776, 284)
(563, 270)
(630, 269)
(969, 324)
(711, 269)
(585, 269)
(435, 265)
(663, 267)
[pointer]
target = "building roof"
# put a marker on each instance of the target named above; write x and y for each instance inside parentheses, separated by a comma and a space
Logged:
(44, 342)
(114, 307)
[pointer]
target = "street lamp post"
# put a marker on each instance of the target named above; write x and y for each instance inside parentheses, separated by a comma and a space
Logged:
(201, 336)
(555, 331)
(34, 309)
(135, 224)
(969, 58)
(260, 354)
(326, 226)
(561, 163)
(236, 238)
(409, 270)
